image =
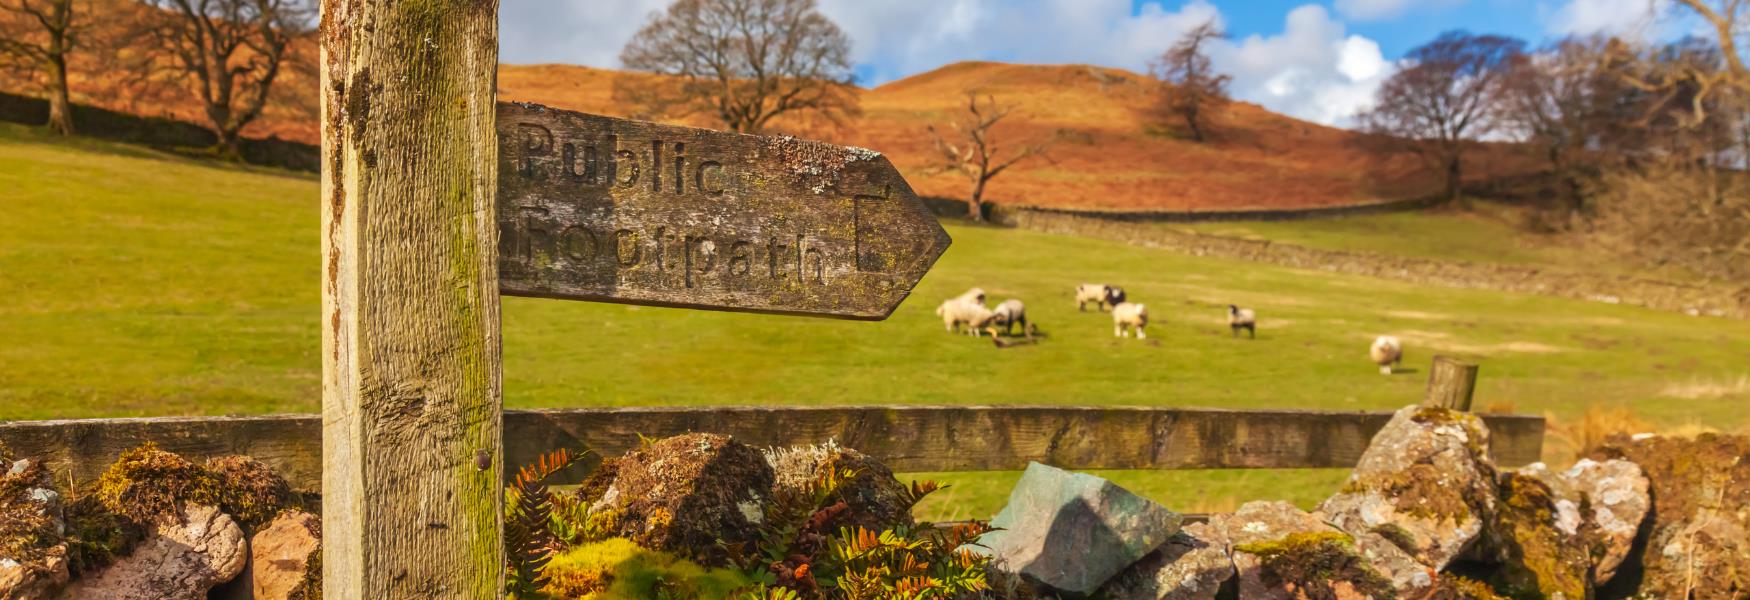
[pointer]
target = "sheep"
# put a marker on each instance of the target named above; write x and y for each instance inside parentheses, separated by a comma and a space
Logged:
(1242, 318)
(956, 311)
(1100, 294)
(1386, 351)
(1129, 316)
(1009, 314)
(974, 295)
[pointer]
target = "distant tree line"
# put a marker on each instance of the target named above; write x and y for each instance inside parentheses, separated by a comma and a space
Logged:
(1644, 144)
(227, 54)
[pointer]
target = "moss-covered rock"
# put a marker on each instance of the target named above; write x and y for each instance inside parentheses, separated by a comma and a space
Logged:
(1426, 484)
(874, 499)
(1600, 506)
(618, 569)
(1195, 564)
(1542, 554)
(250, 491)
(1315, 565)
(33, 549)
(147, 484)
(1697, 540)
(689, 495)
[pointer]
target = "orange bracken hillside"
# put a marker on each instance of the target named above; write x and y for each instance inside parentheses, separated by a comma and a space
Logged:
(1113, 153)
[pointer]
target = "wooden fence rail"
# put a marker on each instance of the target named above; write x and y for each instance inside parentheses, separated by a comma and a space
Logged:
(908, 438)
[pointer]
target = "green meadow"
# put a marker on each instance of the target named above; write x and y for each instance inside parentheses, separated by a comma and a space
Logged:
(142, 284)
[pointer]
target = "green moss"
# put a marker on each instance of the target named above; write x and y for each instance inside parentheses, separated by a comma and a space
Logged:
(147, 483)
(1312, 562)
(1453, 587)
(1418, 493)
(1540, 561)
(27, 532)
(97, 535)
(618, 569)
(1398, 536)
(250, 491)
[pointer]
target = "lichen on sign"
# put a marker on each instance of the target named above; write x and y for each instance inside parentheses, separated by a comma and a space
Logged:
(613, 210)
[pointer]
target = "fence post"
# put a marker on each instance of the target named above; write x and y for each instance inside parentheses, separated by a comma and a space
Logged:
(1451, 382)
(411, 406)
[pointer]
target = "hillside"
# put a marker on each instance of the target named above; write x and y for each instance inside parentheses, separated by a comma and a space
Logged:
(1113, 154)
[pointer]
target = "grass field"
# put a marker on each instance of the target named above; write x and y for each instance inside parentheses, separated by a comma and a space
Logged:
(140, 284)
(1486, 234)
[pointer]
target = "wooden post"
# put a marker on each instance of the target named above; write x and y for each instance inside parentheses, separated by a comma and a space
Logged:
(412, 417)
(1451, 383)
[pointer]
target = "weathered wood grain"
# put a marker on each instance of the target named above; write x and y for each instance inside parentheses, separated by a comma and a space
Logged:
(612, 210)
(410, 307)
(909, 438)
(1451, 384)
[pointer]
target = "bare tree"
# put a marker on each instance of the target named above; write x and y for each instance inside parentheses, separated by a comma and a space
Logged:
(1555, 100)
(1445, 99)
(39, 35)
(745, 62)
(230, 52)
(1193, 85)
(974, 153)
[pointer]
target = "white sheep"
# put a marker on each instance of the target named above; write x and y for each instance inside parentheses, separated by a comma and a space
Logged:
(1386, 351)
(958, 311)
(974, 295)
(1129, 316)
(1008, 314)
(1100, 294)
(1242, 318)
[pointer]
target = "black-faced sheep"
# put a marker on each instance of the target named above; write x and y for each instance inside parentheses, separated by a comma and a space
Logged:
(1242, 318)
(1007, 315)
(1386, 352)
(1127, 317)
(1100, 294)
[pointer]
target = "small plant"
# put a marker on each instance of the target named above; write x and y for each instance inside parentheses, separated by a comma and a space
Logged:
(795, 558)
(529, 538)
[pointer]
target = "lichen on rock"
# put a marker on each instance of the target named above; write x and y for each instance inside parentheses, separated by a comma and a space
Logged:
(33, 548)
(1426, 483)
(1540, 555)
(1698, 539)
(873, 497)
(689, 494)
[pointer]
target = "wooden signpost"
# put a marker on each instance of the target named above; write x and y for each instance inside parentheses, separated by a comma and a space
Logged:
(436, 198)
(610, 210)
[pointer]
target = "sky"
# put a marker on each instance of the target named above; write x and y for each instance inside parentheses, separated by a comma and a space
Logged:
(1319, 60)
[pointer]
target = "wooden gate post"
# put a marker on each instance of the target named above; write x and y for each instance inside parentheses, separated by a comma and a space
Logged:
(1451, 382)
(411, 407)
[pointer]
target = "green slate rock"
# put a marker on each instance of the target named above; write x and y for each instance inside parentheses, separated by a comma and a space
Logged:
(1071, 532)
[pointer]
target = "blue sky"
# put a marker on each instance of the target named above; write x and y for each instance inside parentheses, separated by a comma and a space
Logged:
(1319, 60)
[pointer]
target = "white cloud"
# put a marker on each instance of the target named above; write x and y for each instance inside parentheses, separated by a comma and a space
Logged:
(1313, 70)
(905, 37)
(1635, 18)
(587, 32)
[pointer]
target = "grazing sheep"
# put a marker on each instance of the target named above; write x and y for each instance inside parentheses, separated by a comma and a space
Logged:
(1100, 294)
(1242, 318)
(957, 311)
(1126, 317)
(1114, 295)
(974, 295)
(1387, 351)
(1008, 314)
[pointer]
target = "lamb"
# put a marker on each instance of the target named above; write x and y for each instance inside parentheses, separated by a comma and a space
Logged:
(956, 311)
(1242, 318)
(1127, 316)
(1100, 294)
(1009, 314)
(1387, 351)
